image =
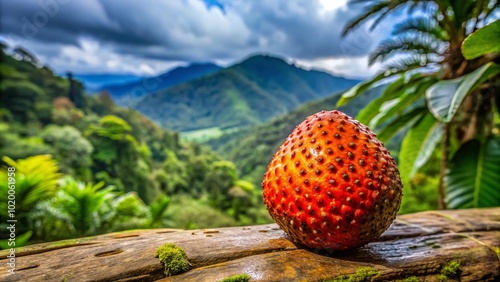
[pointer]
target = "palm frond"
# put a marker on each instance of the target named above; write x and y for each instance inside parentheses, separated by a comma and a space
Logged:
(406, 63)
(488, 11)
(371, 11)
(380, 18)
(426, 6)
(414, 44)
(157, 210)
(380, 9)
(37, 180)
(420, 25)
(81, 202)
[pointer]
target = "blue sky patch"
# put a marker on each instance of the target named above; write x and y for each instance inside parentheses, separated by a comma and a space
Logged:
(212, 3)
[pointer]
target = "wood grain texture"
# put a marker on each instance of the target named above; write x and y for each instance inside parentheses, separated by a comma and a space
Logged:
(417, 244)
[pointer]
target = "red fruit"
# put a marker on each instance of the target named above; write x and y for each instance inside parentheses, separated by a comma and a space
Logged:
(332, 184)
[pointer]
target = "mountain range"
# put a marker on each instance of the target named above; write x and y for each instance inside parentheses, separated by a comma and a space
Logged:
(245, 94)
(96, 82)
(127, 94)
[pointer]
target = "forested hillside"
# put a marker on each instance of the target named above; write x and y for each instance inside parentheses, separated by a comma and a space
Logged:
(253, 150)
(93, 83)
(86, 166)
(127, 94)
(246, 94)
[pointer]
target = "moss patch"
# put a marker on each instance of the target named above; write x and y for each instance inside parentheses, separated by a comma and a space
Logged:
(237, 278)
(174, 258)
(363, 274)
(410, 279)
(450, 270)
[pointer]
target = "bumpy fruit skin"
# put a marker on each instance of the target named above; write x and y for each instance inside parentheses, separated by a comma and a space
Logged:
(332, 184)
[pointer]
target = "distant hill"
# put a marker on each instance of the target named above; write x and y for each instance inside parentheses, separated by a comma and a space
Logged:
(252, 149)
(95, 82)
(60, 132)
(128, 93)
(246, 94)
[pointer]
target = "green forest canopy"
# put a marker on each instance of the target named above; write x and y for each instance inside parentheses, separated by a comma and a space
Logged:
(86, 166)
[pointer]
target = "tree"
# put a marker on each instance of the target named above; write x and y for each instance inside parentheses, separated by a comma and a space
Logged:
(25, 55)
(35, 181)
(79, 204)
(119, 155)
(72, 151)
(157, 210)
(21, 97)
(17, 144)
(437, 95)
(173, 177)
(121, 212)
(221, 177)
(64, 112)
(75, 92)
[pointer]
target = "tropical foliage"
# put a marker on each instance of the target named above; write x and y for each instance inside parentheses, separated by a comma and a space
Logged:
(35, 181)
(85, 166)
(442, 64)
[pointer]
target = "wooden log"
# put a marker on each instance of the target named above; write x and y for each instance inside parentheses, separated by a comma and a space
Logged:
(416, 245)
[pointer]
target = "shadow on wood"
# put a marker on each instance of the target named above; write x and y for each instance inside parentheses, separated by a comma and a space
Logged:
(416, 245)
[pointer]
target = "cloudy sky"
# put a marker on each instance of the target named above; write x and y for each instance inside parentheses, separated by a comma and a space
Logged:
(148, 37)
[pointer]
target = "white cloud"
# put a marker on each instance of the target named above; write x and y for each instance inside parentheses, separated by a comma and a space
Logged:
(128, 35)
(331, 5)
(145, 68)
(348, 67)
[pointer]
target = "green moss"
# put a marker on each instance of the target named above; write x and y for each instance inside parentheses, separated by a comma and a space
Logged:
(410, 279)
(362, 274)
(450, 270)
(174, 258)
(237, 278)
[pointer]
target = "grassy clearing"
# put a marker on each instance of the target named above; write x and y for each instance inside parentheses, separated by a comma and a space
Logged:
(205, 134)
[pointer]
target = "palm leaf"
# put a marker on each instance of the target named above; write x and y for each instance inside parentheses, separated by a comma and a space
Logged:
(372, 109)
(81, 202)
(418, 145)
(473, 176)
(483, 41)
(379, 9)
(395, 90)
(444, 97)
(407, 63)
(489, 12)
(413, 92)
(21, 240)
(420, 44)
(359, 89)
(369, 12)
(399, 123)
(36, 180)
(158, 209)
(420, 25)
(425, 6)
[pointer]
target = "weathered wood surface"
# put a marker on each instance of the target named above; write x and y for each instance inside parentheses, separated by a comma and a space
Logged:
(415, 245)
